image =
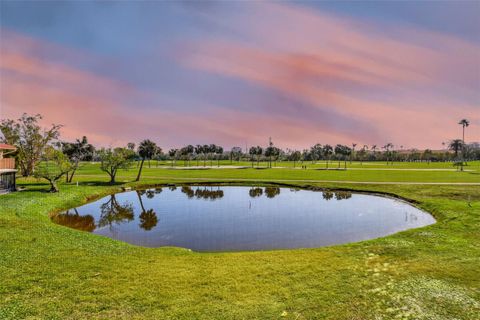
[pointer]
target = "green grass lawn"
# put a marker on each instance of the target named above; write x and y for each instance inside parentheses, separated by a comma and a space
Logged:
(53, 272)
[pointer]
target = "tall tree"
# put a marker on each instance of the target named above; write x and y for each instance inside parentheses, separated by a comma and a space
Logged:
(387, 148)
(198, 151)
(353, 151)
(235, 153)
(218, 152)
(327, 151)
(172, 153)
(270, 151)
(295, 156)
(212, 148)
(111, 160)
(29, 138)
(464, 123)
(316, 152)
(252, 152)
(147, 149)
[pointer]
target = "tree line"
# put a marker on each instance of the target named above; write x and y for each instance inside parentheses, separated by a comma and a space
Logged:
(41, 154)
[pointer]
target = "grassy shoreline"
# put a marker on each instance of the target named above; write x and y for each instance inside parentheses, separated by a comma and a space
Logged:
(53, 272)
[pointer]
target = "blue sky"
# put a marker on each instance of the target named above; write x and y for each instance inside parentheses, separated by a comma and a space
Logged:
(238, 72)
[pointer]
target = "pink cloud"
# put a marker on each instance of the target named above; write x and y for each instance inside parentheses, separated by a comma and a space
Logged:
(400, 85)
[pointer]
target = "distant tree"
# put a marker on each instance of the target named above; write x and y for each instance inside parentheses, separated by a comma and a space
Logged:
(270, 152)
(198, 151)
(374, 149)
(29, 138)
(252, 152)
(295, 156)
(327, 151)
(316, 152)
(235, 153)
(147, 149)
(111, 160)
(464, 123)
(218, 152)
(362, 153)
(258, 153)
(131, 146)
(352, 154)
(387, 149)
(53, 166)
(427, 155)
(206, 151)
(77, 151)
(172, 153)
(343, 152)
(456, 145)
(186, 153)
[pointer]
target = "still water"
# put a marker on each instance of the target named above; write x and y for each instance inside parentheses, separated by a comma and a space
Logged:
(211, 218)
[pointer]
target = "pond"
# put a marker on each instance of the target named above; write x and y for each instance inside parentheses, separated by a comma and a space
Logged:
(230, 218)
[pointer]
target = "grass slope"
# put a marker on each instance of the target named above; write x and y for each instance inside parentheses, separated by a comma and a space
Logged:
(52, 272)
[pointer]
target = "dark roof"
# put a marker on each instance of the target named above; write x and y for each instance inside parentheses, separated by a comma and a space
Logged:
(4, 146)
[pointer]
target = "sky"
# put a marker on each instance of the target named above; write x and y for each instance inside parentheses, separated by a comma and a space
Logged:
(236, 73)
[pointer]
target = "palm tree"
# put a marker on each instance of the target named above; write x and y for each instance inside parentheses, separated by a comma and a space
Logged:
(455, 145)
(387, 150)
(173, 154)
(198, 150)
(219, 152)
(464, 123)
(252, 152)
(146, 150)
(327, 152)
(353, 151)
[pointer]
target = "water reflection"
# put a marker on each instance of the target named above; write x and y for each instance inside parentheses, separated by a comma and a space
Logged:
(328, 195)
(148, 218)
(272, 192)
(207, 193)
(242, 218)
(255, 192)
(342, 195)
(339, 195)
(114, 213)
(72, 219)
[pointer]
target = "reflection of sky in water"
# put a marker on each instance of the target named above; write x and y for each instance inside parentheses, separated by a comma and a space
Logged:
(239, 218)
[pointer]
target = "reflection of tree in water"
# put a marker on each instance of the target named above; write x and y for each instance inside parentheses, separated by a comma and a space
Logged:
(340, 195)
(172, 188)
(272, 192)
(150, 194)
(75, 221)
(209, 194)
(328, 195)
(148, 218)
(188, 191)
(255, 192)
(204, 193)
(114, 212)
